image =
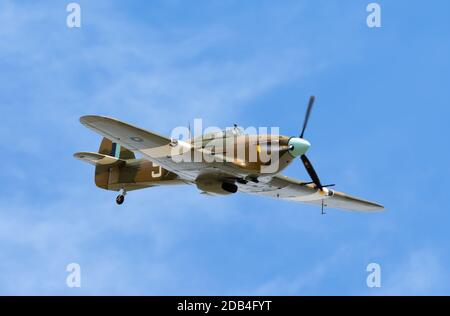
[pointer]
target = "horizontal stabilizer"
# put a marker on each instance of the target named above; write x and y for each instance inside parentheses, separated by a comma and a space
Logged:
(97, 159)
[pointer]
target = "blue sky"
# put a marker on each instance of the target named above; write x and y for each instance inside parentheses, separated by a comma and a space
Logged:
(379, 130)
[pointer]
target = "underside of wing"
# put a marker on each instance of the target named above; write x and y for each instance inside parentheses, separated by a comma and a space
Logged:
(285, 188)
(344, 201)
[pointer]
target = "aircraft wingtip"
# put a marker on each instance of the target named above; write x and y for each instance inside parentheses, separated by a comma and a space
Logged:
(89, 118)
(377, 207)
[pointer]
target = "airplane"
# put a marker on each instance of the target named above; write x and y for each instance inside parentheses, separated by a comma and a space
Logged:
(118, 169)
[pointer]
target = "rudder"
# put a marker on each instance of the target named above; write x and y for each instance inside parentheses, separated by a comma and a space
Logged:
(107, 147)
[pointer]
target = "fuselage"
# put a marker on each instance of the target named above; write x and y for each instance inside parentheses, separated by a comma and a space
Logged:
(241, 157)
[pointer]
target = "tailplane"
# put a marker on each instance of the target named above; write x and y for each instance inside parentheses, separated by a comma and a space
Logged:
(111, 156)
(117, 169)
(97, 159)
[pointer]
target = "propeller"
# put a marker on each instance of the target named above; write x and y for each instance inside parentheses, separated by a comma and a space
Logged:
(312, 173)
(307, 114)
(299, 146)
(308, 166)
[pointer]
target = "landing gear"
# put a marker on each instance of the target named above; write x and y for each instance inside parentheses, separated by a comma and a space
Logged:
(121, 197)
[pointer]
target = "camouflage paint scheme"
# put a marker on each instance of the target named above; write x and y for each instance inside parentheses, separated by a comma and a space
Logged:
(116, 167)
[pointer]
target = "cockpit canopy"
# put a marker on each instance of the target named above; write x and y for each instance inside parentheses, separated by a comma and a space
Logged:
(228, 132)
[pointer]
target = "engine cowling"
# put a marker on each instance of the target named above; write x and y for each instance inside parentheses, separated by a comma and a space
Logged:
(214, 186)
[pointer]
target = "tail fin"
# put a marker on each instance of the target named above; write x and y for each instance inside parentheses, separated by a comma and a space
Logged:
(109, 148)
(116, 167)
(110, 157)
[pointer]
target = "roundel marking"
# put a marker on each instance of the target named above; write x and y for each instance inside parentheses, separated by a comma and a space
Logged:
(136, 139)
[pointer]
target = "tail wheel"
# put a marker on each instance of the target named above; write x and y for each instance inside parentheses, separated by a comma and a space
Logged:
(119, 199)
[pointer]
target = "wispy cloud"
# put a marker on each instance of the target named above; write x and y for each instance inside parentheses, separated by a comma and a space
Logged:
(92, 231)
(421, 272)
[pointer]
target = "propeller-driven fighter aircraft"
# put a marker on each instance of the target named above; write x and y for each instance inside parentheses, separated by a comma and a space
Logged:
(117, 169)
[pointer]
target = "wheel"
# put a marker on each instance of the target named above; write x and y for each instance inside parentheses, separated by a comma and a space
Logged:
(119, 199)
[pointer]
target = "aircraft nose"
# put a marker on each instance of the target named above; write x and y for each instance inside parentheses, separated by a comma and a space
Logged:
(298, 146)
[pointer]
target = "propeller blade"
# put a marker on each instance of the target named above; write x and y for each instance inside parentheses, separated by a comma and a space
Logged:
(312, 173)
(308, 112)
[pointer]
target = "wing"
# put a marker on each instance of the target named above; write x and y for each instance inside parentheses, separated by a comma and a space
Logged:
(152, 146)
(128, 135)
(282, 187)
